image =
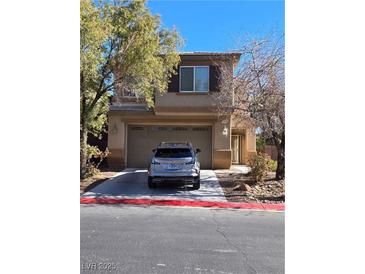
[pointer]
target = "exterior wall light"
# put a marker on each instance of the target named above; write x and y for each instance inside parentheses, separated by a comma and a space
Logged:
(225, 131)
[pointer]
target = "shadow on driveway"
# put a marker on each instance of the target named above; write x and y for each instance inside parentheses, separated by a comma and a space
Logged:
(132, 184)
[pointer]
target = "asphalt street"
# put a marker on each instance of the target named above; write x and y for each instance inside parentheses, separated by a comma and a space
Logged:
(136, 239)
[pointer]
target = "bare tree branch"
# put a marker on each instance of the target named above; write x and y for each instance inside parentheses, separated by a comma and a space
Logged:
(256, 93)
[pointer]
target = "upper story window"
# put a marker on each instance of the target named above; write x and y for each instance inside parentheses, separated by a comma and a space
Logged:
(194, 78)
(127, 93)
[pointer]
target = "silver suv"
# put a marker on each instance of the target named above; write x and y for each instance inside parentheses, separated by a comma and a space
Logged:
(174, 163)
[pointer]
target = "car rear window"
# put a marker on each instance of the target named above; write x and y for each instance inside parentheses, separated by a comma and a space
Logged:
(173, 153)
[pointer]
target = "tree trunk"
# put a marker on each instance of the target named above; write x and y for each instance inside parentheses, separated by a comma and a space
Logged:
(83, 130)
(83, 151)
(280, 170)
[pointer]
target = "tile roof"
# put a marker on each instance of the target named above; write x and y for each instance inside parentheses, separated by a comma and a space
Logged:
(210, 53)
(133, 107)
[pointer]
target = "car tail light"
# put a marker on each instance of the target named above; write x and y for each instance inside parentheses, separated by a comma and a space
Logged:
(155, 163)
(191, 162)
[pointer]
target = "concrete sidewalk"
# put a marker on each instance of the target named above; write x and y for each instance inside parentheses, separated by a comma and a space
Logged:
(132, 184)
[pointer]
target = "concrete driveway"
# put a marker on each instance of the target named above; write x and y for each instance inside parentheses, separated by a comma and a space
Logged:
(132, 184)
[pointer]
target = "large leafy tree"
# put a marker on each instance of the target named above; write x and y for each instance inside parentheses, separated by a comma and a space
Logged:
(122, 45)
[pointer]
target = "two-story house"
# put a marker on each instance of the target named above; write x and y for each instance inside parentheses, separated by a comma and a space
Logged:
(186, 112)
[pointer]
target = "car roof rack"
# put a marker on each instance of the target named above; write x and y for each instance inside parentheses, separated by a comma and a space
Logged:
(175, 144)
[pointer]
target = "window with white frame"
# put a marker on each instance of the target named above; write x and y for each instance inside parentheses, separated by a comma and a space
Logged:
(194, 78)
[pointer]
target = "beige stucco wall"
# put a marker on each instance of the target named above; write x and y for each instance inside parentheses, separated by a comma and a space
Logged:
(172, 99)
(248, 145)
(222, 143)
(251, 139)
(116, 141)
(222, 159)
(117, 134)
(204, 101)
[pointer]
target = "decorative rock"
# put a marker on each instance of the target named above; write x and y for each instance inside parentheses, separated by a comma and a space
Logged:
(240, 188)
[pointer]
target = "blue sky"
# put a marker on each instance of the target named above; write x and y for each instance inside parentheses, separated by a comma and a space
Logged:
(217, 25)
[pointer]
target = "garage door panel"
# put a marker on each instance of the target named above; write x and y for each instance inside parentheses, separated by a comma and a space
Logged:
(143, 139)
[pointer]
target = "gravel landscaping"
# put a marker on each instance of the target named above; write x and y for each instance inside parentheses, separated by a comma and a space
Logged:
(239, 187)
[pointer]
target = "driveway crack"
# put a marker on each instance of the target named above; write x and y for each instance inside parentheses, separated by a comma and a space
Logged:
(219, 229)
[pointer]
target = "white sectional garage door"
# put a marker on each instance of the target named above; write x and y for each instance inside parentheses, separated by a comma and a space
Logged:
(143, 139)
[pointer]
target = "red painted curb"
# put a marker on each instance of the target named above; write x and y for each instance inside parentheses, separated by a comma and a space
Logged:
(276, 207)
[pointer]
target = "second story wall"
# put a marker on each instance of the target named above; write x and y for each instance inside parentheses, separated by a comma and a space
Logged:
(194, 87)
(196, 84)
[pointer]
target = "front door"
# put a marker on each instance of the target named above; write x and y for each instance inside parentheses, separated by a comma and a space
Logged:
(235, 145)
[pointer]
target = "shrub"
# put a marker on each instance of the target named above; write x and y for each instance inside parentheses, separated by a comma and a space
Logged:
(260, 144)
(260, 165)
(273, 165)
(91, 170)
(93, 154)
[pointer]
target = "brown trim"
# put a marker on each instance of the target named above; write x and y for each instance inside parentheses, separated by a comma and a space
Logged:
(193, 93)
(222, 158)
(123, 113)
(214, 74)
(207, 57)
(116, 158)
(186, 111)
(238, 131)
(171, 122)
(210, 53)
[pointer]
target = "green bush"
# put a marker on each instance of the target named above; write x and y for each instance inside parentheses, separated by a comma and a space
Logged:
(273, 165)
(260, 144)
(260, 166)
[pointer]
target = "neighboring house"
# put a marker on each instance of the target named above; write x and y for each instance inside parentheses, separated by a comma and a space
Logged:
(185, 112)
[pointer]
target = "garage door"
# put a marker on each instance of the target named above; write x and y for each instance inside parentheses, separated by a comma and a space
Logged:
(143, 139)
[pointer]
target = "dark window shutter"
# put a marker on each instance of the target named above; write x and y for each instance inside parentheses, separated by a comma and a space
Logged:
(174, 82)
(214, 78)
